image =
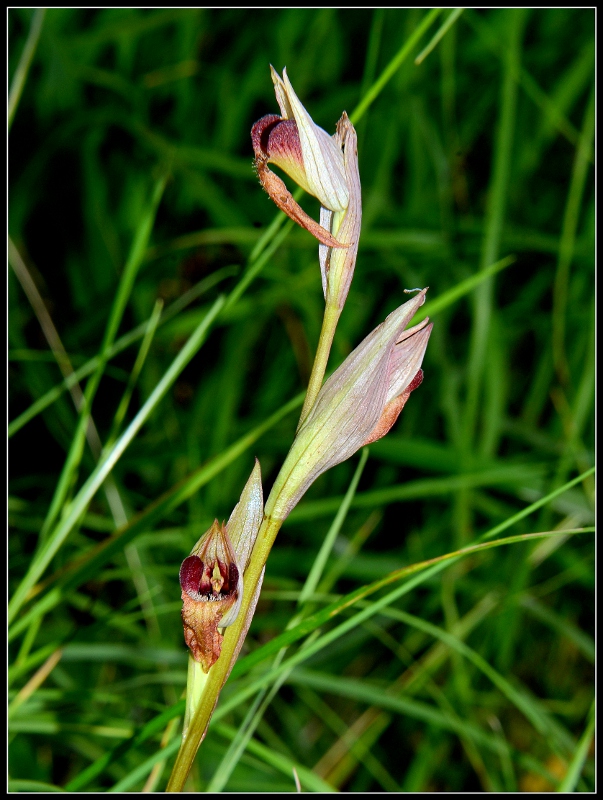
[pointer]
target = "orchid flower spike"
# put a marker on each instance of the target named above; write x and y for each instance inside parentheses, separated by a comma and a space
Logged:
(319, 163)
(357, 405)
(211, 578)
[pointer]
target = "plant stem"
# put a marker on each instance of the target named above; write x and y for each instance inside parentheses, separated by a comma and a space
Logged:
(329, 324)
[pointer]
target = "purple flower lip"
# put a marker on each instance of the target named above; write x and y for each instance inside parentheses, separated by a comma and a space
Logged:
(275, 138)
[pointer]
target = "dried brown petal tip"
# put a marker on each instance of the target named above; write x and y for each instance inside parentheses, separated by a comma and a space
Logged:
(392, 410)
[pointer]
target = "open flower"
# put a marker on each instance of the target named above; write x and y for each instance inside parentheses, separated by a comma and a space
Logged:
(211, 578)
(358, 404)
(324, 166)
(306, 153)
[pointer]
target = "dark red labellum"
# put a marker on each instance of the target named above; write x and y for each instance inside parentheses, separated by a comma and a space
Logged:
(261, 131)
(233, 577)
(191, 573)
(416, 381)
(195, 577)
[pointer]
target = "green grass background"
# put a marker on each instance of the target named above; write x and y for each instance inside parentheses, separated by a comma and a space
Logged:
(147, 257)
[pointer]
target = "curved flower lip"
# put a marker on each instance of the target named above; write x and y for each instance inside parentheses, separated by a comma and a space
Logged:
(306, 153)
(277, 140)
(359, 403)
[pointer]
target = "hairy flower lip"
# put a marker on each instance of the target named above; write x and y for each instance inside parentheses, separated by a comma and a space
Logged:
(284, 200)
(276, 141)
(211, 587)
(260, 133)
(211, 577)
(267, 129)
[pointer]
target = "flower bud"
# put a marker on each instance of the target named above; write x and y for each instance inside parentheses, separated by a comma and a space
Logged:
(337, 265)
(211, 578)
(357, 405)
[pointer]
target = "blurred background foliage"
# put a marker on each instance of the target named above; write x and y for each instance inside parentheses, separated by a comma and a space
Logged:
(481, 151)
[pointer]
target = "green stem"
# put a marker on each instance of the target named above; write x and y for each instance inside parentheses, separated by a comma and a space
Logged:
(329, 324)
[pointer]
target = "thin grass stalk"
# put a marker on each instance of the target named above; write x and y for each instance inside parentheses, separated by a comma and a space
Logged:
(497, 201)
(104, 467)
(22, 71)
(568, 240)
(119, 305)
